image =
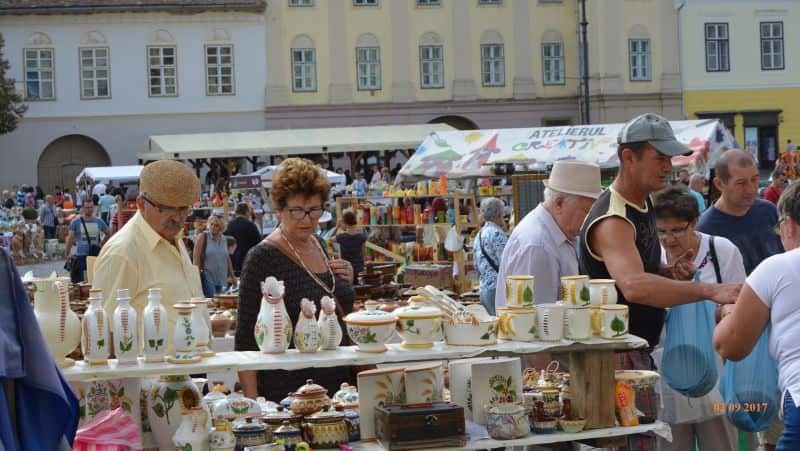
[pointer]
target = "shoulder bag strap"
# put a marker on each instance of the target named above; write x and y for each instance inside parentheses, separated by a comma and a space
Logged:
(489, 259)
(714, 259)
(86, 231)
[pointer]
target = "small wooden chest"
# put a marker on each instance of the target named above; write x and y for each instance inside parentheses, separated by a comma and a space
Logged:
(420, 426)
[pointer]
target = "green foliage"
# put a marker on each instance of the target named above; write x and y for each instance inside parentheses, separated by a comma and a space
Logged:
(527, 296)
(11, 106)
(584, 294)
(164, 403)
(618, 326)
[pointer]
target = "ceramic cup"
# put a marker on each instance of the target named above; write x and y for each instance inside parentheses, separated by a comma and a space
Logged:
(424, 383)
(517, 323)
(577, 324)
(602, 292)
(519, 291)
(610, 321)
(575, 290)
(550, 321)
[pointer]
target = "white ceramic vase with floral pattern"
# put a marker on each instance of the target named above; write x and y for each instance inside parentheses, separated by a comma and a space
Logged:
(192, 434)
(126, 330)
(154, 327)
(95, 341)
(306, 333)
(167, 399)
(202, 327)
(183, 338)
(60, 326)
(273, 329)
(330, 331)
(221, 437)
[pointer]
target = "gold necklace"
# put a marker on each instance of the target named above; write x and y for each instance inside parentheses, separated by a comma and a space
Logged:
(316, 279)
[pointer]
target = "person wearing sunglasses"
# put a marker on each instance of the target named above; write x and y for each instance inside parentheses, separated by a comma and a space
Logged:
(294, 254)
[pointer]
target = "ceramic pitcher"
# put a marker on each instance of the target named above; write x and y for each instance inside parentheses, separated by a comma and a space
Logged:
(330, 331)
(95, 340)
(126, 330)
(273, 329)
(154, 327)
(221, 437)
(306, 333)
(59, 324)
(192, 434)
(183, 337)
(202, 327)
(167, 399)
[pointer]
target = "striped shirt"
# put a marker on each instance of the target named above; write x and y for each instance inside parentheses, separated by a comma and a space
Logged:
(47, 214)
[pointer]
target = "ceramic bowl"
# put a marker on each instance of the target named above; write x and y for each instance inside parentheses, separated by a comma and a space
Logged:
(544, 427)
(418, 324)
(467, 334)
(572, 426)
(370, 329)
(235, 406)
(507, 422)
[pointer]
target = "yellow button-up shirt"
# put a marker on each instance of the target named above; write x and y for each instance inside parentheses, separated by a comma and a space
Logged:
(138, 258)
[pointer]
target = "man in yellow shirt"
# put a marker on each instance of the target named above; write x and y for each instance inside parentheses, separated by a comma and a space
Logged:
(148, 251)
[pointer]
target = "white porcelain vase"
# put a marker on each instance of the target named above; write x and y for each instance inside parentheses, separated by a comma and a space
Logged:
(273, 329)
(95, 340)
(154, 327)
(60, 326)
(202, 327)
(306, 333)
(330, 331)
(167, 399)
(221, 437)
(192, 434)
(183, 338)
(126, 330)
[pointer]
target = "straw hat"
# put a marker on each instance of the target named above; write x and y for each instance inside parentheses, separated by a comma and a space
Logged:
(579, 178)
(169, 183)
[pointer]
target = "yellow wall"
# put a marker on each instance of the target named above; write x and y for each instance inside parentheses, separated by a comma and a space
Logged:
(437, 19)
(377, 21)
(561, 18)
(314, 23)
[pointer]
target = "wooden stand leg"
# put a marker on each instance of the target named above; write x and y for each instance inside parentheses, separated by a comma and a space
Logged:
(592, 383)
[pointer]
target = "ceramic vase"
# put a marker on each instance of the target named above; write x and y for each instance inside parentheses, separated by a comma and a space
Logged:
(148, 438)
(273, 329)
(192, 434)
(60, 326)
(202, 327)
(154, 327)
(183, 337)
(126, 330)
(330, 331)
(221, 437)
(95, 341)
(167, 399)
(306, 333)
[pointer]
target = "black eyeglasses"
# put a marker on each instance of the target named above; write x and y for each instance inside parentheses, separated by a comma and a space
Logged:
(298, 213)
(675, 233)
(183, 211)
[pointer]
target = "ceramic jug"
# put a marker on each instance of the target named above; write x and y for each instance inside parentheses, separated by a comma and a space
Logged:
(192, 434)
(95, 341)
(306, 333)
(126, 330)
(166, 400)
(60, 326)
(202, 327)
(330, 331)
(273, 329)
(183, 337)
(154, 327)
(221, 437)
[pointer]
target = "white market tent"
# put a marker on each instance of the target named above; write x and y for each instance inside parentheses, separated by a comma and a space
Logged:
(460, 154)
(337, 180)
(106, 174)
(286, 142)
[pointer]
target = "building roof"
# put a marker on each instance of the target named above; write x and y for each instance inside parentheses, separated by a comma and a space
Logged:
(10, 7)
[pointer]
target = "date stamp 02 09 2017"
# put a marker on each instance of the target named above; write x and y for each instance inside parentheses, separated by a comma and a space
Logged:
(724, 407)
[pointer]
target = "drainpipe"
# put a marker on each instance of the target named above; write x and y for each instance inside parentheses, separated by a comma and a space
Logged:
(679, 4)
(585, 75)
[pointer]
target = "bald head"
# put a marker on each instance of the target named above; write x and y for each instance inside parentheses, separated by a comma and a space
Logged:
(730, 158)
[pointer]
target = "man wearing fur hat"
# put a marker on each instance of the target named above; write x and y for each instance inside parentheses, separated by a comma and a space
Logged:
(147, 252)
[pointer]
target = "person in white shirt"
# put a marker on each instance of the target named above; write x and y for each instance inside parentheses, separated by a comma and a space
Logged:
(770, 296)
(99, 189)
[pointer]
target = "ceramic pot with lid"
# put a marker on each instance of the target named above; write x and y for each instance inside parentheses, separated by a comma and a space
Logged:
(418, 323)
(508, 422)
(249, 432)
(326, 429)
(370, 329)
(274, 420)
(290, 435)
(310, 398)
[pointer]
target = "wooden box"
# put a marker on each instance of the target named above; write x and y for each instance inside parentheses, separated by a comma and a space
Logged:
(420, 426)
(440, 276)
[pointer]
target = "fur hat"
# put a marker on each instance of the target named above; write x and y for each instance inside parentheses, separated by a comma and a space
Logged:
(169, 183)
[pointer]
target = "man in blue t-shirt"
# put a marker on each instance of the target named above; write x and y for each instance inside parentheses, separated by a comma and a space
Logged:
(84, 224)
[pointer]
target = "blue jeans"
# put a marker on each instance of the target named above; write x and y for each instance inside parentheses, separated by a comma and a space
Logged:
(487, 300)
(790, 438)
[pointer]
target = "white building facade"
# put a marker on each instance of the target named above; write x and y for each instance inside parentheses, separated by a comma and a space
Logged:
(99, 80)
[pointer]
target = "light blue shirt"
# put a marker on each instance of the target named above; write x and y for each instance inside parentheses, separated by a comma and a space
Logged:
(106, 201)
(701, 203)
(493, 240)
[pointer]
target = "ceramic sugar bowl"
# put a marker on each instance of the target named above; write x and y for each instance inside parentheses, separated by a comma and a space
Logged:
(310, 399)
(326, 429)
(507, 422)
(370, 329)
(418, 323)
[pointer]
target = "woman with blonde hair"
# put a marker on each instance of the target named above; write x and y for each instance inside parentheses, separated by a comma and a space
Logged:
(212, 257)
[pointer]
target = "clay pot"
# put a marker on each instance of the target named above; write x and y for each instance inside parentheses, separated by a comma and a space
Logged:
(226, 301)
(310, 399)
(220, 324)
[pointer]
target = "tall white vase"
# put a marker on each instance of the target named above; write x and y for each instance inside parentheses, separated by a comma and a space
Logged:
(202, 327)
(95, 340)
(183, 338)
(330, 331)
(154, 327)
(167, 399)
(60, 326)
(273, 328)
(126, 330)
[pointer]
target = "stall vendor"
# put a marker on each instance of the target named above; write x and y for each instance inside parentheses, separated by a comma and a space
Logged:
(148, 251)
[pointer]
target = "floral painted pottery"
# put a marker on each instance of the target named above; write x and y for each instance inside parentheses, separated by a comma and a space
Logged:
(517, 323)
(575, 290)
(202, 327)
(330, 331)
(484, 333)
(546, 426)
(126, 330)
(59, 325)
(236, 406)
(249, 432)
(286, 402)
(154, 327)
(274, 420)
(148, 438)
(519, 291)
(551, 397)
(168, 398)
(611, 321)
(95, 339)
(326, 429)
(273, 328)
(192, 434)
(507, 422)
(550, 321)
(603, 292)
(424, 383)
(418, 324)
(211, 398)
(220, 324)
(347, 395)
(577, 322)
(290, 435)
(497, 381)
(221, 437)
(378, 387)
(306, 332)
(183, 337)
(310, 398)
(370, 329)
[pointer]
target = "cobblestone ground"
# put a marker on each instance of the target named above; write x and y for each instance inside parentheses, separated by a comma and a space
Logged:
(44, 269)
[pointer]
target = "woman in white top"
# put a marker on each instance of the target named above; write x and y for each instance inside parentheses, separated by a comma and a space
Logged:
(771, 294)
(676, 212)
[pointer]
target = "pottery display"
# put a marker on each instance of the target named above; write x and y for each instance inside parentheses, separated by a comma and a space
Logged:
(250, 432)
(517, 323)
(126, 330)
(498, 381)
(330, 331)
(154, 327)
(575, 290)
(460, 376)
(550, 321)
(220, 324)
(347, 395)
(370, 329)
(202, 327)
(326, 429)
(507, 422)
(211, 398)
(543, 424)
(95, 337)
(484, 333)
(306, 332)
(602, 292)
(551, 397)
(235, 406)
(378, 387)
(353, 424)
(221, 437)
(424, 383)
(192, 434)
(273, 328)
(226, 300)
(577, 322)
(519, 291)
(418, 324)
(183, 338)
(569, 422)
(168, 398)
(59, 325)
(310, 398)
(610, 321)
(290, 435)
(274, 420)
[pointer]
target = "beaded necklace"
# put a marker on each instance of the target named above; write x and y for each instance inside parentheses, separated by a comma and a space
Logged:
(316, 279)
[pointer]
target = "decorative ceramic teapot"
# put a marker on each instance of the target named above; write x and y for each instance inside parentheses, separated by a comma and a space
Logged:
(330, 331)
(306, 333)
(273, 328)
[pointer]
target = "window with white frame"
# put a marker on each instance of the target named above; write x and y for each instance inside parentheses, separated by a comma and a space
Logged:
(429, 2)
(219, 70)
(39, 74)
(365, 2)
(772, 45)
(95, 73)
(553, 63)
(639, 59)
(301, 2)
(368, 62)
(717, 47)
(304, 70)
(493, 65)
(162, 69)
(431, 66)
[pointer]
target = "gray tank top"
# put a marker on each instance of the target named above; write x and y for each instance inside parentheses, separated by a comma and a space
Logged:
(215, 261)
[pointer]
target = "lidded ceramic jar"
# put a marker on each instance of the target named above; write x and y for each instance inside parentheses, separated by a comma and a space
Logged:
(250, 432)
(418, 323)
(508, 422)
(274, 420)
(326, 429)
(291, 435)
(370, 329)
(347, 395)
(310, 398)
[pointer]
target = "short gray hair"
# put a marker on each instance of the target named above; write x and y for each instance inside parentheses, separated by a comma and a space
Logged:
(695, 177)
(492, 208)
(550, 194)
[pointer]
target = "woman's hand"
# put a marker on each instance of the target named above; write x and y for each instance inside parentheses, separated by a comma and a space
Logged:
(342, 269)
